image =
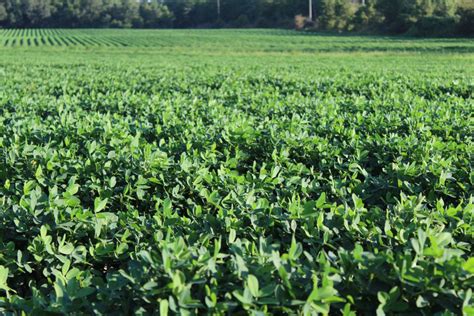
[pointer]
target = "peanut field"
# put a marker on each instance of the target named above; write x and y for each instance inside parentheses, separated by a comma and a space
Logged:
(262, 172)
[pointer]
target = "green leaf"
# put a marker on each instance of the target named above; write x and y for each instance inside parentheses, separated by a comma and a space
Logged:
(3, 277)
(232, 236)
(295, 249)
(59, 290)
(39, 173)
(28, 186)
(469, 265)
(164, 306)
(66, 249)
(99, 204)
(243, 298)
(84, 292)
(43, 231)
(73, 188)
(252, 283)
(112, 182)
(321, 201)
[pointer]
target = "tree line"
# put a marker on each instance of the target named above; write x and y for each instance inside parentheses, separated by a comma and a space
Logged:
(417, 17)
(424, 17)
(84, 13)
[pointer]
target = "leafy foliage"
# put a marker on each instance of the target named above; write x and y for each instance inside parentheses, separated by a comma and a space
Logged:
(165, 185)
(417, 17)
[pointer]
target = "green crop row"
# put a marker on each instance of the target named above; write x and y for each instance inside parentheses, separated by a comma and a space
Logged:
(205, 41)
(300, 185)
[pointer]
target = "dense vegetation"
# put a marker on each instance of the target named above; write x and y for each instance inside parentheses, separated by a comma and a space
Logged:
(192, 42)
(218, 172)
(417, 17)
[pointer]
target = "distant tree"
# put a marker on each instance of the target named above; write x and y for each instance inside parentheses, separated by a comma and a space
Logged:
(394, 16)
(367, 16)
(36, 11)
(399, 15)
(466, 24)
(390, 10)
(154, 14)
(121, 13)
(3, 13)
(89, 12)
(181, 10)
(445, 7)
(335, 14)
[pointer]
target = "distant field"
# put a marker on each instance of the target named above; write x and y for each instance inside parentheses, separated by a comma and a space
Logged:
(262, 172)
(225, 40)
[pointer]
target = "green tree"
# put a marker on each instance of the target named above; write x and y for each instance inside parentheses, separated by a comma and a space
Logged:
(154, 14)
(335, 14)
(367, 16)
(3, 13)
(36, 11)
(445, 7)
